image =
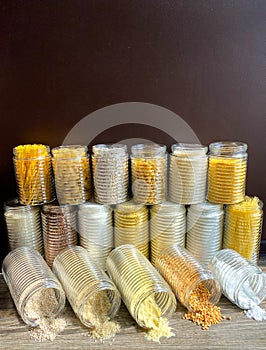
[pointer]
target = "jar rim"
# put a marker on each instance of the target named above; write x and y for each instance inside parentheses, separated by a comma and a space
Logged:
(42, 151)
(189, 149)
(227, 147)
(148, 150)
(63, 150)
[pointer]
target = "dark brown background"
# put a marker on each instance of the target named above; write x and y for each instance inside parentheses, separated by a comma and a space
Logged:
(204, 60)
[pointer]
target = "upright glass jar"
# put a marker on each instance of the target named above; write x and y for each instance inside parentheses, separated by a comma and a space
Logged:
(167, 226)
(132, 226)
(204, 230)
(185, 274)
(31, 282)
(96, 231)
(137, 280)
(110, 173)
(23, 224)
(243, 283)
(85, 284)
(72, 174)
(59, 229)
(227, 172)
(149, 173)
(188, 173)
(34, 177)
(243, 226)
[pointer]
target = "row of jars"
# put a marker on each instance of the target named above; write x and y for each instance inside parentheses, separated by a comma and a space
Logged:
(189, 168)
(200, 228)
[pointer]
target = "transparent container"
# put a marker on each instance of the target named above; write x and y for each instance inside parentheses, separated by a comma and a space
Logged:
(167, 226)
(72, 174)
(243, 227)
(110, 173)
(27, 275)
(23, 224)
(188, 173)
(82, 280)
(227, 172)
(243, 282)
(34, 176)
(184, 274)
(131, 226)
(149, 173)
(137, 280)
(204, 230)
(96, 231)
(59, 229)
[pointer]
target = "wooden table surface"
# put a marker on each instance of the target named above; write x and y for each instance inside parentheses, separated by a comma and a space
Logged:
(239, 333)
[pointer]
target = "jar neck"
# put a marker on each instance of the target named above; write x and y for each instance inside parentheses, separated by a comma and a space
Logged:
(206, 208)
(94, 209)
(152, 150)
(31, 151)
(110, 150)
(189, 150)
(228, 148)
(70, 151)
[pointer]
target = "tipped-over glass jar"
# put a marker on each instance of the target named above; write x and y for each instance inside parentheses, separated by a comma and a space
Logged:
(35, 290)
(34, 176)
(149, 173)
(227, 172)
(184, 274)
(86, 285)
(139, 283)
(188, 173)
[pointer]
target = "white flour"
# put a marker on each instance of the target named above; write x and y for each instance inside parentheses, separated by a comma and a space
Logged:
(256, 312)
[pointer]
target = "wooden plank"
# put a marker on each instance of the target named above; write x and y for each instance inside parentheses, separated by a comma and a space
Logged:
(239, 333)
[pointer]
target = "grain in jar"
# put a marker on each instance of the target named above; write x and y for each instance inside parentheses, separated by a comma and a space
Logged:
(34, 177)
(131, 226)
(23, 224)
(243, 226)
(149, 173)
(167, 226)
(227, 172)
(96, 230)
(188, 173)
(204, 230)
(110, 173)
(72, 174)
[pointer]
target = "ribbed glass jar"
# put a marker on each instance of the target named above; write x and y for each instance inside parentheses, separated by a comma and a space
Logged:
(96, 231)
(149, 173)
(27, 274)
(110, 173)
(167, 226)
(34, 176)
(243, 282)
(227, 172)
(59, 229)
(132, 226)
(82, 280)
(72, 174)
(204, 230)
(188, 173)
(137, 280)
(243, 226)
(23, 224)
(184, 274)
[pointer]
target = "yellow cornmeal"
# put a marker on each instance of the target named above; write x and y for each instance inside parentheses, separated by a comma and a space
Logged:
(151, 316)
(243, 227)
(226, 180)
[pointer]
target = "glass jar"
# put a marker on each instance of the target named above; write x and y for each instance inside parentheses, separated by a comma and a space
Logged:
(184, 274)
(30, 281)
(83, 280)
(72, 174)
(167, 226)
(96, 231)
(132, 226)
(137, 280)
(110, 173)
(243, 226)
(227, 172)
(59, 229)
(33, 170)
(204, 230)
(149, 173)
(188, 173)
(243, 283)
(23, 224)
